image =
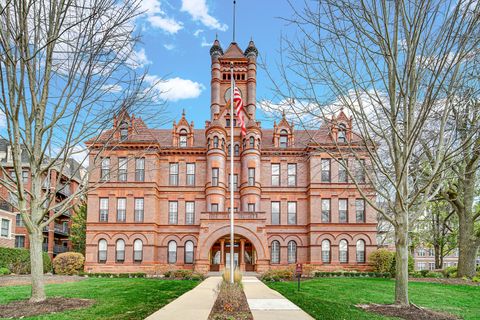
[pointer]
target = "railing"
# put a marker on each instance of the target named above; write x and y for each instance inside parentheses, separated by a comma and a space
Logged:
(64, 189)
(242, 215)
(59, 249)
(4, 205)
(60, 228)
(45, 247)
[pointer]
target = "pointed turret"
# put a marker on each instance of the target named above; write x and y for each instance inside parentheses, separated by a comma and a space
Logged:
(251, 50)
(216, 49)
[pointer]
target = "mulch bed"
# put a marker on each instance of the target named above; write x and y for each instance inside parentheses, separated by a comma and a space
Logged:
(24, 308)
(411, 312)
(19, 280)
(446, 281)
(231, 304)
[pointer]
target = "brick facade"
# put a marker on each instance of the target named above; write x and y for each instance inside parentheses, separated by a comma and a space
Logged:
(170, 193)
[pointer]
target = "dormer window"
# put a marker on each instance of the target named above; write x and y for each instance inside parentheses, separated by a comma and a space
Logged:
(342, 133)
(123, 131)
(183, 138)
(283, 139)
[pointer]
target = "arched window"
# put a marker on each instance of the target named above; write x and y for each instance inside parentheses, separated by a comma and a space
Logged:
(283, 139)
(343, 251)
(252, 142)
(183, 138)
(275, 254)
(342, 133)
(244, 144)
(102, 251)
(215, 142)
(229, 151)
(172, 252)
(292, 252)
(360, 251)
(208, 144)
(236, 150)
(120, 251)
(138, 250)
(223, 144)
(123, 131)
(189, 252)
(326, 251)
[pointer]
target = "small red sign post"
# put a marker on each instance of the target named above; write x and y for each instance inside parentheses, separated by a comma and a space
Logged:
(298, 272)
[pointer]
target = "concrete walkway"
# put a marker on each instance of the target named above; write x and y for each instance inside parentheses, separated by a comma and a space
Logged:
(267, 304)
(194, 304)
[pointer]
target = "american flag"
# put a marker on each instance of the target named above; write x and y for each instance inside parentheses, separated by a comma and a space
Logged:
(238, 103)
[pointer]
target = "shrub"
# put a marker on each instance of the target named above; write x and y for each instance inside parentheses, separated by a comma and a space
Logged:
(450, 272)
(476, 279)
(68, 263)
(114, 275)
(278, 275)
(183, 275)
(237, 275)
(352, 274)
(4, 271)
(381, 260)
(433, 274)
(18, 260)
(411, 264)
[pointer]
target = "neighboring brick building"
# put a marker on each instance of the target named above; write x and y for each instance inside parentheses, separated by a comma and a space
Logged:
(57, 233)
(164, 200)
(7, 225)
(425, 259)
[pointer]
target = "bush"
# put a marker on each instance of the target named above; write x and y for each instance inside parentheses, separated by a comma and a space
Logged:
(433, 274)
(237, 275)
(450, 272)
(18, 260)
(4, 271)
(278, 275)
(183, 275)
(381, 260)
(476, 279)
(68, 263)
(114, 275)
(352, 274)
(411, 264)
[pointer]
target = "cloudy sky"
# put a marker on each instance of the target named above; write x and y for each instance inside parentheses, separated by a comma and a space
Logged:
(178, 34)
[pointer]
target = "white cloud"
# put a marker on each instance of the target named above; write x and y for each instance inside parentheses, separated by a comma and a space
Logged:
(199, 11)
(205, 43)
(112, 88)
(175, 89)
(170, 46)
(197, 32)
(158, 18)
(138, 58)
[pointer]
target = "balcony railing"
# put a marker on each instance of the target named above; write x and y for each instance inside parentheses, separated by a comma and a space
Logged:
(242, 215)
(59, 249)
(61, 229)
(4, 205)
(45, 247)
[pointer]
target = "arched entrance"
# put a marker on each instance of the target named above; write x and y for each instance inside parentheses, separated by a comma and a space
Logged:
(244, 256)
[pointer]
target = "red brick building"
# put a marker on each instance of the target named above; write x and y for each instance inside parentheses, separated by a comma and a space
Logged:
(164, 198)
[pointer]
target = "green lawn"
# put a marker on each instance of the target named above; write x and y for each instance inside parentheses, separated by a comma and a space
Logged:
(115, 298)
(335, 298)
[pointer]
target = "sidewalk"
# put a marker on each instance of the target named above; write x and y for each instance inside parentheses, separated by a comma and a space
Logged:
(194, 304)
(267, 304)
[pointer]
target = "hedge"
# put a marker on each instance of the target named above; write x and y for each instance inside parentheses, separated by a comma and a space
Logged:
(68, 263)
(321, 274)
(18, 260)
(113, 275)
(183, 274)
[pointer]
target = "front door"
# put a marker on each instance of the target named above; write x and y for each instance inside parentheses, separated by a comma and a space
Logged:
(235, 259)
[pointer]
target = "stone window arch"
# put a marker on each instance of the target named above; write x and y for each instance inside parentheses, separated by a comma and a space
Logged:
(283, 140)
(172, 252)
(189, 252)
(102, 250)
(326, 256)
(137, 250)
(292, 251)
(120, 250)
(275, 252)
(360, 251)
(343, 251)
(182, 140)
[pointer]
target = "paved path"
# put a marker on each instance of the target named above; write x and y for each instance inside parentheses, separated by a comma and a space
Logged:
(194, 304)
(267, 304)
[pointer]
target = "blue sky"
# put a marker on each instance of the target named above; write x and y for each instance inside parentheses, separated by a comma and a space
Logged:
(176, 39)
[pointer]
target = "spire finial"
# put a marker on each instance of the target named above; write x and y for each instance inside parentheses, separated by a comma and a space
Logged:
(216, 35)
(183, 112)
(234, 5)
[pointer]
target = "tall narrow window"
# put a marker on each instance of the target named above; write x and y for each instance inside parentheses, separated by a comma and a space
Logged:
(283, 139)
(360, 210)
(25, 175)
(236, 151)
(183, 138)
(235, 182)
(227, 122)
(215, 142)
(172, 212)
(214, 207)
(121, 209)
(214, 177)
(292, 174)
(252, 142)
(5, 231)
(105, 169)
(360, 171)
(189, 252)
(139, 212)
(342, 171)
(120, 251)
(325, 210)
(189, 212)
(360, 251)
(190, 174)
(173, 174)
(19, 241)
(343, 251)
(19, 220)
(172, 252)
(124, 131)
(102, 251)
(275, 174)
(137, 250)
(122, 169)
(325, 170)
(326, 251)
(140, 169)
(342, 133)
(292, 252)
(292, 212)
(275, 254)
(103, 214)
(251, 176)
(251, 207)
(275, 212)
(343, 210)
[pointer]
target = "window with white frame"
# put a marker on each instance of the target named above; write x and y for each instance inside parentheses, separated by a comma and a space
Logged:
(360, 210)
(190, 174)
(235, 182)
(326, 251)
(122, 169)
(360, 171)
(292, 252)
(19, 220)
(121, 209)
(251, 176)
(102, 251)
(275, 254)
(5, 230)
(343, 210)
(342, 133)
(214, 207)
(342, 170)
(283, 141)
(183, 138)
(19, 241)
(172, 252)
(343, 251)
(172, 212)
(215, 142)
(275, 174)
(275, 212)
(190, 212)
(326, 165)
(137, 250)
(360, 251)
(251, 207)
(105, 169)
(103, 212)
(139, 210)
(25, 175)
(325, 210)
(140, 169)
(120, 251)
(292, 174)
(215, 173)
(292, 212)
(173, 177)
(189, 252)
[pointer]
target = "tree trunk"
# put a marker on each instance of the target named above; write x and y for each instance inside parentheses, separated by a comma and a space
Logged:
(401, 264)
(36, 263)
(438, 256)
(467, 249)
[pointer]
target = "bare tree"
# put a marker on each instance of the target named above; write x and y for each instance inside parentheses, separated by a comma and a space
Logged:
(66, 67)
(393, 67)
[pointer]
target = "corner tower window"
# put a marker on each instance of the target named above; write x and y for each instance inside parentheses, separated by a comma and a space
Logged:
(283, 139)
(342, 133)
(183, 138)
(124, 131)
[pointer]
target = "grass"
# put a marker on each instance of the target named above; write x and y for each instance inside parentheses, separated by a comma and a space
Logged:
(335, 298)
(115, 298)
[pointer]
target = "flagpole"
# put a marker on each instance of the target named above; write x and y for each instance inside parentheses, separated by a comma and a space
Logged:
(232, 116)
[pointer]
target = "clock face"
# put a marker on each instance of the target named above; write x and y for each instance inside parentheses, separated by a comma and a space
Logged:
(227, 94)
